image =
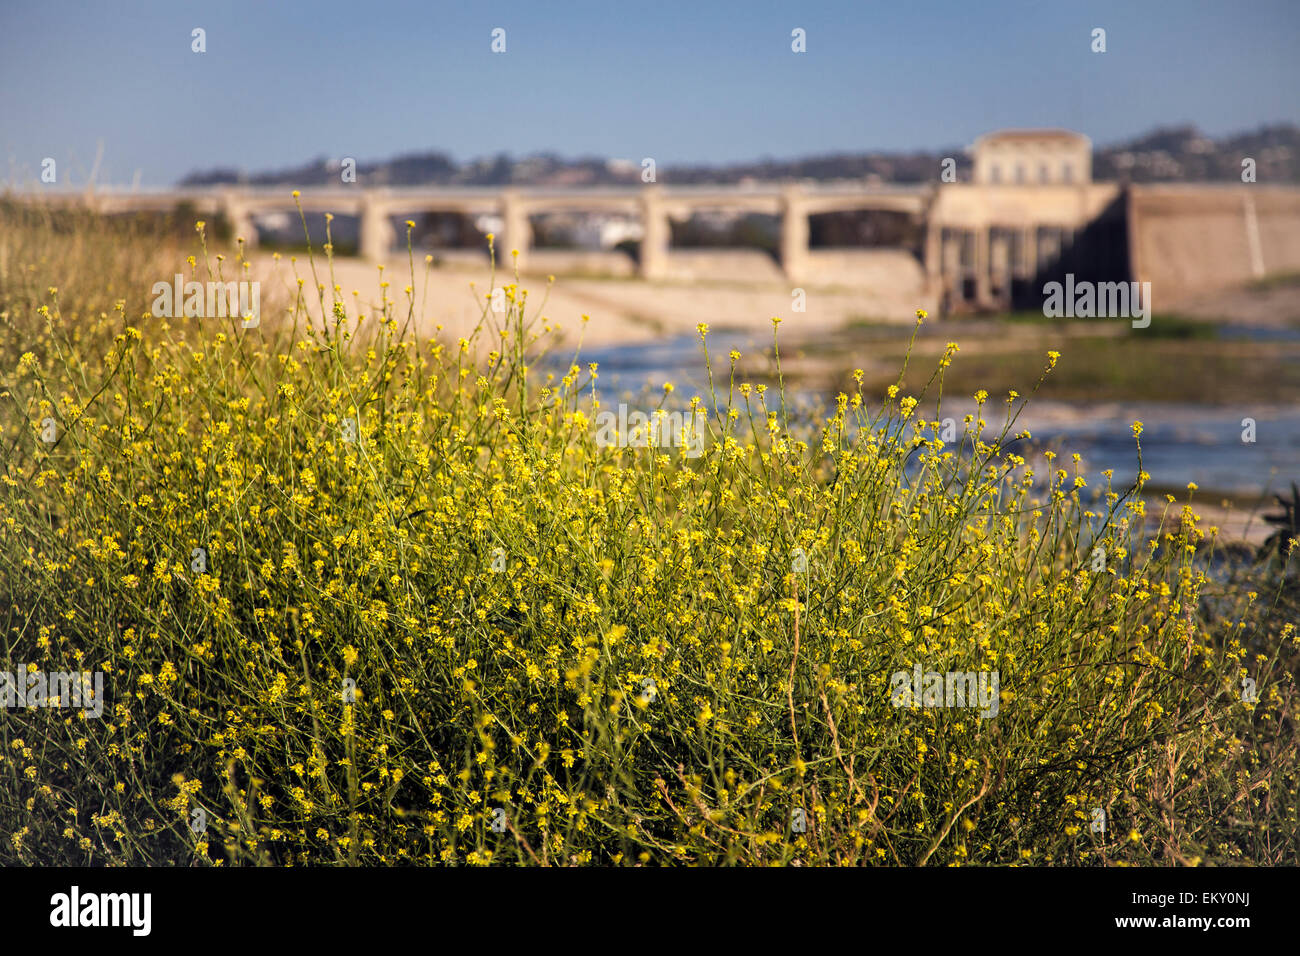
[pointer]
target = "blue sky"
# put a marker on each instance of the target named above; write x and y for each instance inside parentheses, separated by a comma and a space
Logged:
(678, 81)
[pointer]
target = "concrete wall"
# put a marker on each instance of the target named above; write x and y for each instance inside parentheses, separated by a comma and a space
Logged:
(1191, 239)
(735, 265)
(965, 205)
(894, 269)
(981, 218)
(579, 262)
(1184, 239)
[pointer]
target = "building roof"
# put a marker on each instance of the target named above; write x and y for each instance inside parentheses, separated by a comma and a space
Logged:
(1031, 134)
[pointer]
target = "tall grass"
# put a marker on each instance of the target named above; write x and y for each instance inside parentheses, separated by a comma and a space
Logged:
(432, 620)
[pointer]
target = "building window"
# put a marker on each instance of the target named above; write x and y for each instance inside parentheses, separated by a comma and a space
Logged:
(1043, 175)
(1020, 173)
(995, 173)
(1067, 173)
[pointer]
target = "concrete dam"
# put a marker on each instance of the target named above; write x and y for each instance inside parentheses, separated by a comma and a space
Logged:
(1030, 215)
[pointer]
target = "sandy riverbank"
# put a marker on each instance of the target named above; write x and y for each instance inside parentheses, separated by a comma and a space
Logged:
(623, 311)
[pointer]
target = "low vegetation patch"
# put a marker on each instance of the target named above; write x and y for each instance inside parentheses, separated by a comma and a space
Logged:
(362, 598)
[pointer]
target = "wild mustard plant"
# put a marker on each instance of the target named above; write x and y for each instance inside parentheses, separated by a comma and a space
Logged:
(366, 598)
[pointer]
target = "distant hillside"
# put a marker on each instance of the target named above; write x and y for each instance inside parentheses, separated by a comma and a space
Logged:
(1182, 154)
(1176, 154)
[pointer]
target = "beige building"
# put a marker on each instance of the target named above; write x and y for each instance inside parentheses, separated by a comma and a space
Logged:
(991, 241)
(1033, 157)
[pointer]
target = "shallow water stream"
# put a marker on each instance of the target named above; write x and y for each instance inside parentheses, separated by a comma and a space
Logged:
(1181, 443)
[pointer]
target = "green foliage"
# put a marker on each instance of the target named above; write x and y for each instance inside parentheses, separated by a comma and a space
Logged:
(654, 677)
